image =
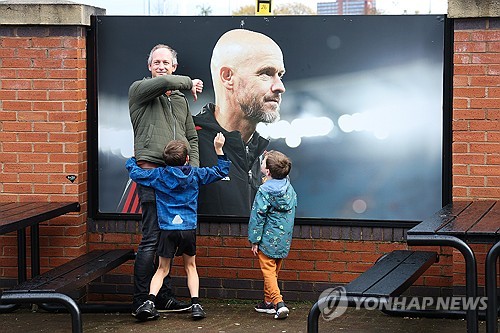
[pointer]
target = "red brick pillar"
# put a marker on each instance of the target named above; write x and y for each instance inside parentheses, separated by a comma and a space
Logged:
(476, 111)
(43, 137)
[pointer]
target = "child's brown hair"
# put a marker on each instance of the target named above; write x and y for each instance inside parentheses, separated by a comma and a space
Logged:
(175, 153)
(278, 164)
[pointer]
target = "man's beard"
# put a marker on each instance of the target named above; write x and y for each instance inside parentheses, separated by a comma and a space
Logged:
(254, 110)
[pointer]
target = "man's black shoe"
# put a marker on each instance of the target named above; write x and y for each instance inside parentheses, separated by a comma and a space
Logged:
(172, 305)
(146, 311)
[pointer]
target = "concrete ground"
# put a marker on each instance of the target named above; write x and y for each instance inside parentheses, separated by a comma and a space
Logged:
(225, 316)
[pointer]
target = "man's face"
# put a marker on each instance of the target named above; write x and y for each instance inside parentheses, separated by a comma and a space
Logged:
(259, 85)
(162, 63)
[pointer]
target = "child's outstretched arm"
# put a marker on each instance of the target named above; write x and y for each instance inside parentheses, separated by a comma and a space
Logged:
(219, 141)
(209, 175)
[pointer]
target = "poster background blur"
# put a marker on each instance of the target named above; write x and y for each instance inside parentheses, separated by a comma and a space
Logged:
(362, 112)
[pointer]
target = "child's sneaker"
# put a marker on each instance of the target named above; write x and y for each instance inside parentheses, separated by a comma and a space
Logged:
(281, 311)
(264, 307)
(197, 312)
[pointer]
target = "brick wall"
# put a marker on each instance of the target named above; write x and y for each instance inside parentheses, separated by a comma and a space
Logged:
(43, 139)
(476, 109)
(320, 257)
(476, 125)
(43, 133)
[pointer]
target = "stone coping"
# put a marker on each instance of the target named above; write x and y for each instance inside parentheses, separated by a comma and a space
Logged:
(46, 12)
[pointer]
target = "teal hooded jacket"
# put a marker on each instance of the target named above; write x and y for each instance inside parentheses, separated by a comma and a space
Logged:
(272, 218)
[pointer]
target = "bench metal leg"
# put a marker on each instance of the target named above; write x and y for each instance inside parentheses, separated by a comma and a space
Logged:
(312, 318)
(35, 297)
(470, 268)
(491, 288)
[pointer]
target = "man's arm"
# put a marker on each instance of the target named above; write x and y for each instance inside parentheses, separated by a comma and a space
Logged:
(147, 89)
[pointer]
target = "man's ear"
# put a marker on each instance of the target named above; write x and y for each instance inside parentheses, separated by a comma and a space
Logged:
(187, 159)
(174, 67)
(226, 77)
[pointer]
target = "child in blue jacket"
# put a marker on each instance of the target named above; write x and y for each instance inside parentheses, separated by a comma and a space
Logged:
(271, 227)
(177, 186)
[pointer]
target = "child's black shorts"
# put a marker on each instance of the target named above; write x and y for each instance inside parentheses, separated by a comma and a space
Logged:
(177, 242)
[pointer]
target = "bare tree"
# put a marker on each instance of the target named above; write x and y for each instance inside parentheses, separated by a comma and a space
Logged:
(295, 8)
(245, 11)
(156, 7)
(205, 10)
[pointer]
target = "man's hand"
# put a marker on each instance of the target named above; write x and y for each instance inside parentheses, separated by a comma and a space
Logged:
(197, 88)
(255, 249)
(219, 141)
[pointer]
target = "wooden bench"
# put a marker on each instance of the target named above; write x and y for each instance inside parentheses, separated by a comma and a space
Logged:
(55, 284)
(391, 275)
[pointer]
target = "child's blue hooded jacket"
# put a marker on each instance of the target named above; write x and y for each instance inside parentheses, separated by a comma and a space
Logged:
(272, 218)
(177, 190)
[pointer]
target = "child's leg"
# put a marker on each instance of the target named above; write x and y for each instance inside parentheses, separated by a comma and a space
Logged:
(270, 268)
(192, 275)
(161, 273)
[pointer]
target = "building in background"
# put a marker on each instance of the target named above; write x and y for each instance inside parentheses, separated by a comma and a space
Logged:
(346, 7)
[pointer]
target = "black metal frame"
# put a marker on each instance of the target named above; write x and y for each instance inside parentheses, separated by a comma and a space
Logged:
(19, 297)
(491, 288)
(470, 269)
(93, 154)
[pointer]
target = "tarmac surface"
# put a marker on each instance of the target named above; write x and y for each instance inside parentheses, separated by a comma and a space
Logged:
(227, 316)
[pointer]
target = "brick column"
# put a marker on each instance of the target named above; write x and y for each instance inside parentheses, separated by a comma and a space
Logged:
(43, 137)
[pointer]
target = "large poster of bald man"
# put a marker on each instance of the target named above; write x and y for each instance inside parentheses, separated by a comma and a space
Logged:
(356, 102)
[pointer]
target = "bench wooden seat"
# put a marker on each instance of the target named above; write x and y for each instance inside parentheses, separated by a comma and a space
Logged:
(390, 276)
(77, 272)
(55, 284)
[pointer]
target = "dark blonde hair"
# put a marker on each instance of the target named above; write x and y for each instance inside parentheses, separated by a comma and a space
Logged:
(175, 153)
(278, 164)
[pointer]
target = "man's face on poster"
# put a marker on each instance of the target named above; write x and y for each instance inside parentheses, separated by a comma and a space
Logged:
(259, 85)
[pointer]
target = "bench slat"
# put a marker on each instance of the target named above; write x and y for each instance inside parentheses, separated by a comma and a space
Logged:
(467, 218)
(392, 274)
(440, 218)
(78, 272)
(381, 268)
(404, 275)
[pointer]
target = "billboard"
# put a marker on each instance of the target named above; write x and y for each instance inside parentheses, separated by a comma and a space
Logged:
(362, 118)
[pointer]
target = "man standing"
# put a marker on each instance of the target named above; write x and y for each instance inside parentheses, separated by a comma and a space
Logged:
(159, 113)
(247, 69)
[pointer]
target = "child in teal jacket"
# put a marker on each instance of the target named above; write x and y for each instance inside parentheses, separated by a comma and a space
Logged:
(270, 228)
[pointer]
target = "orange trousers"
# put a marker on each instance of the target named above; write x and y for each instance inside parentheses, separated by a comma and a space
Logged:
(270, 268)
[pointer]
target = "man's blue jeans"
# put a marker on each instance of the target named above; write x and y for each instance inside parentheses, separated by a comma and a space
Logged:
(146, 260)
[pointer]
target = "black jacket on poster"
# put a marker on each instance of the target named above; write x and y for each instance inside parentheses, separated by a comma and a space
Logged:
(234, 194)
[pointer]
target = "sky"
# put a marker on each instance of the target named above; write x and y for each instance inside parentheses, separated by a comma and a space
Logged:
(226, 7)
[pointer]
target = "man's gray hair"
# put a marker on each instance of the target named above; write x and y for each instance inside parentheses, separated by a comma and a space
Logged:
(163, 46)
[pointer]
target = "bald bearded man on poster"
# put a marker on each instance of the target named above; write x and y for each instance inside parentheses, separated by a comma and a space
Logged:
(247, 69)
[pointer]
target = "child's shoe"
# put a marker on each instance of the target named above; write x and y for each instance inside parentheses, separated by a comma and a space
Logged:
(281, 311)
(264, 307)
(197, 312)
